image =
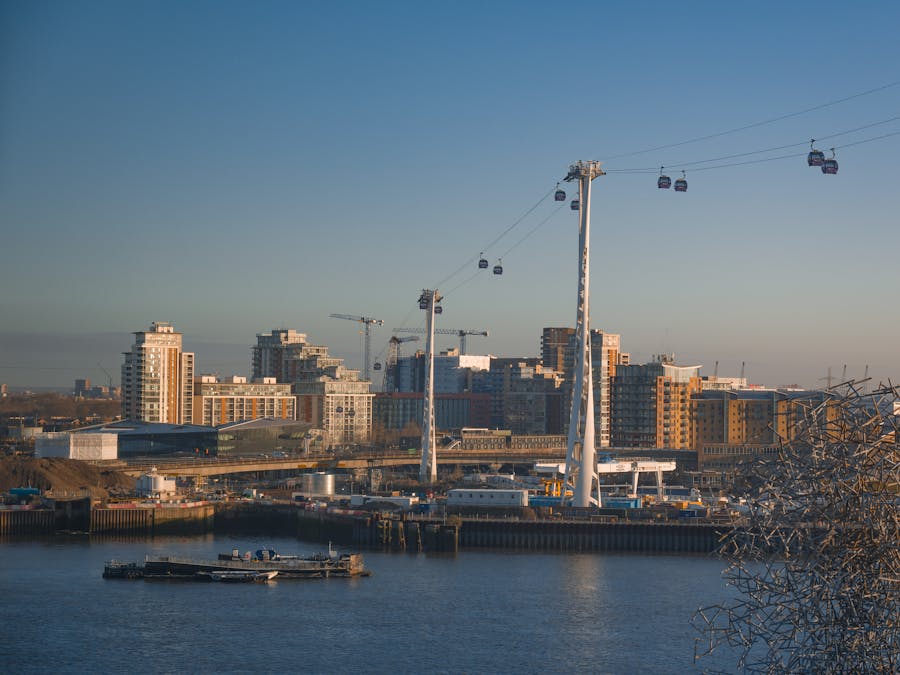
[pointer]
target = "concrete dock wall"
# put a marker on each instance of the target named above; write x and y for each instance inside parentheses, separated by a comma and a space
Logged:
(188, 519)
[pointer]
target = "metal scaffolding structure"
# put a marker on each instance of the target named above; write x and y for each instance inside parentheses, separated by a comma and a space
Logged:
(816, 561)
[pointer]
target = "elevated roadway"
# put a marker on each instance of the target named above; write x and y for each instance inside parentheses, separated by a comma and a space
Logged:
(330, 462)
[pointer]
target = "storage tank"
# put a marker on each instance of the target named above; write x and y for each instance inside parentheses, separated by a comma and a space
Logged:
(157, 483)
(319, 483)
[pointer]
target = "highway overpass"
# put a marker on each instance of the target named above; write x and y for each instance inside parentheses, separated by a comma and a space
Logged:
(360, 460)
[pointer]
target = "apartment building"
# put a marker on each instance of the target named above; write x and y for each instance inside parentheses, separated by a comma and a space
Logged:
(554, 343)
(732, 427)
(532, 399)
(651, 404)
(158, 377)
(272, 353)
(328, 395)
(394, 412)
(218, 402)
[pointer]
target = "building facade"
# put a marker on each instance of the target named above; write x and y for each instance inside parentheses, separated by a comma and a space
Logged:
(651, 405)
(341, 407)
(220, 402)
(328, 395)
(158, 377)
(532, 400)
(396, 412)
(452, 372)
(606, 356)
(554, 343)
(272, 352)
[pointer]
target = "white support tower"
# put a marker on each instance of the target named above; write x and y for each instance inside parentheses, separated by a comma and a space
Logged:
(428, 470)
(581, 465)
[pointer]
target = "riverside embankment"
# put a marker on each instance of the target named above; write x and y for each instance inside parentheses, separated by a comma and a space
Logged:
(362, 530)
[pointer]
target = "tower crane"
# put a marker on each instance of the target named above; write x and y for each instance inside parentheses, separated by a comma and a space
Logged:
(460, 332)
(367, 323)
(393, 356)
(108, 376)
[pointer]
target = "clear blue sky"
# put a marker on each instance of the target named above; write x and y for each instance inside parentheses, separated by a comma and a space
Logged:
(234, 167)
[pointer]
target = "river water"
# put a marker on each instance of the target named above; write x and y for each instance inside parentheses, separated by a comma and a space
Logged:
(473, 612)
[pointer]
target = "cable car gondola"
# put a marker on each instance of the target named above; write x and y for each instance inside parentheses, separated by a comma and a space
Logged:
(575, 205)
(438, 309)
(681, 183)
(815, 157)
(377, 366)
(664, 182)
(339, 409)
(560, 195)
(482, 262)
(498, 268)
(830, 165)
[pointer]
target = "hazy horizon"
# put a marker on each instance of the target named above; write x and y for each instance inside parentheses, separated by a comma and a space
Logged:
(234, 168)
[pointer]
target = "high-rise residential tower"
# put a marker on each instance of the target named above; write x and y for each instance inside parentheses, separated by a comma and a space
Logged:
(158, 377)
(273, 351)
(554, 343)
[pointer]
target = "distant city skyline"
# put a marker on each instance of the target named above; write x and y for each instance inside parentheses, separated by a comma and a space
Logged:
(223, 359)
(237, 168)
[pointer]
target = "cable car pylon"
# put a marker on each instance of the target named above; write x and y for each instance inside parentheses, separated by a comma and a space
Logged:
(428, 301)
(581, 462)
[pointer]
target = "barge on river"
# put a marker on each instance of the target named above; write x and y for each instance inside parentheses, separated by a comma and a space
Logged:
(317, 566)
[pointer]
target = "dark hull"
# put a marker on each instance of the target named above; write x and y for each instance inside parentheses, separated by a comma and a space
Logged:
(175, 568)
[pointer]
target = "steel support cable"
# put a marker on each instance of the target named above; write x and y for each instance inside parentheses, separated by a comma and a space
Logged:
(531, 231)
(509, 250)
(755, 152)
(767, 159)
(758, 124)
(866, 140)
(719, 166)
(496, 239)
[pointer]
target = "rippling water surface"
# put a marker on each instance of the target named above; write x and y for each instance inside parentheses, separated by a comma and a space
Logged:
(476, 612)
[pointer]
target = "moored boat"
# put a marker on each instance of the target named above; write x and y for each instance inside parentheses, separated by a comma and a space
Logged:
(285, 566)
